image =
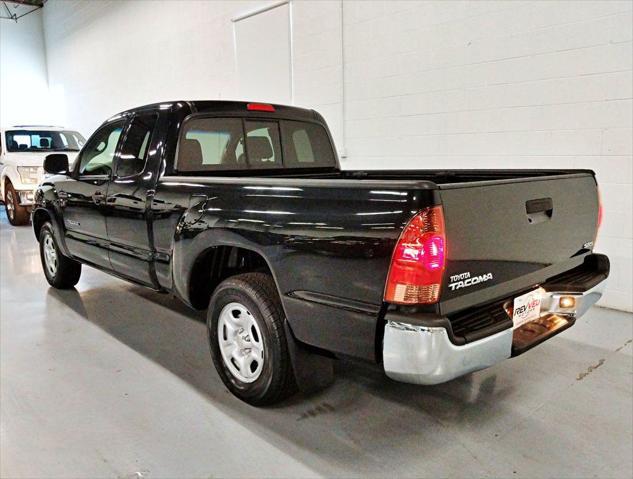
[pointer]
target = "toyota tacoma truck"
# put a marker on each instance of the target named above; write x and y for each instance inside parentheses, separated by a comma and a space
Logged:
(22, 152)
(242, 209)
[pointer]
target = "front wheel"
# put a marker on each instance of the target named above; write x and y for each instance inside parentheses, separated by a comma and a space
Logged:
(61, 272)
(248, 341)
(17, 215)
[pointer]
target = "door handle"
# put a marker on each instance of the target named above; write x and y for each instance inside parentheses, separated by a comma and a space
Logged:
(540, 205)
(98, 196)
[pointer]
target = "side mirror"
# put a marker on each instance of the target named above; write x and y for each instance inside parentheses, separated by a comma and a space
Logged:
(56, 163)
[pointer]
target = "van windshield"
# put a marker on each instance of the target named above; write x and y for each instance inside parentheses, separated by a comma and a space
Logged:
(43, 140)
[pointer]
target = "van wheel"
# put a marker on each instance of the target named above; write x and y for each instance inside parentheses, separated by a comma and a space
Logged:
(18, 215)
(61, 272)
(248, 341)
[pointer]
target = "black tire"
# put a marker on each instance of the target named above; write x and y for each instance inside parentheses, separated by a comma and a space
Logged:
(66, 272)
(258, 294)
(17, 215)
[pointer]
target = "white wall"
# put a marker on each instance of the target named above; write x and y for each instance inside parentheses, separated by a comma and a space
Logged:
(108, 56)
(23, 86)
(263, 55)
(318, 62)
(403, 84)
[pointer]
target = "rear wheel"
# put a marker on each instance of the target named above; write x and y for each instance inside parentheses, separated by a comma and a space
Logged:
(17, 215)
(247, 338)
(61, 272)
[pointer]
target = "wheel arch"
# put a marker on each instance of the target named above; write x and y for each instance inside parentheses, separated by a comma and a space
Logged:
(9, 175)
(40, 216)
(4, 180)
(216, 263)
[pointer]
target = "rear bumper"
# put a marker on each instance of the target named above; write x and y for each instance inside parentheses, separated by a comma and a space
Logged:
(420, 354)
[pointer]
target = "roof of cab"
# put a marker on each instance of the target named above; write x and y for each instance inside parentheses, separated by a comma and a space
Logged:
(231, 108)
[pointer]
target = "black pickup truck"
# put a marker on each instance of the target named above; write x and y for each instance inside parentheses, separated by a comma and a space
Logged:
(241, 208)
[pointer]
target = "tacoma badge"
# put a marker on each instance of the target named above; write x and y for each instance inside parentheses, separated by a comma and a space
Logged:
(463, 280)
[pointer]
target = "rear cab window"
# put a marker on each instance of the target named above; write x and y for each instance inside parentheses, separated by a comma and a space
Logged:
(212, 144)
(233, 144)
(306, 145)
(263, 145)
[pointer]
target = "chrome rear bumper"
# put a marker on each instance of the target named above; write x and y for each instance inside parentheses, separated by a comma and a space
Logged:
(425, 355)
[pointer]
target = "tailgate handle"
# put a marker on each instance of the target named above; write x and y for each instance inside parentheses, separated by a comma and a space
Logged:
(539, 210)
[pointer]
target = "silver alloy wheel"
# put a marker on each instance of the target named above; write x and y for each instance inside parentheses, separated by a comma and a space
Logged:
(241, 342)
(50, 254)
(10, 205)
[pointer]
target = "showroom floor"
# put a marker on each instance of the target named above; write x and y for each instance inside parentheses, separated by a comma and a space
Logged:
(112, 380)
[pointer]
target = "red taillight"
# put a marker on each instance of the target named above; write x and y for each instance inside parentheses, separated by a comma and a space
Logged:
(260, 107)
(418, 261)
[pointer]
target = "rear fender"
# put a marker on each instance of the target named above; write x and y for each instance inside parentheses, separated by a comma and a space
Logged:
(193, 239)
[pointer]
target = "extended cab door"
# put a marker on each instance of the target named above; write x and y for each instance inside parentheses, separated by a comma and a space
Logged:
(82, 196)
(127, 215)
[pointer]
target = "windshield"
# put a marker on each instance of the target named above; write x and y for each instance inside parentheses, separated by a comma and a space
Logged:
(43, 140)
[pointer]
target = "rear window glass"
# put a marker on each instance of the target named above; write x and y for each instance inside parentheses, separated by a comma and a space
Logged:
(263, 147)
(306, 145)
(234, 144)
(212, 143)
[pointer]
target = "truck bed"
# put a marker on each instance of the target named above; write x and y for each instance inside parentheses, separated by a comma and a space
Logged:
(330, 235)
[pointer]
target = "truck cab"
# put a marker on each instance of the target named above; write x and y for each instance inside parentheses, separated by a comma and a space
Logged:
(22, 152)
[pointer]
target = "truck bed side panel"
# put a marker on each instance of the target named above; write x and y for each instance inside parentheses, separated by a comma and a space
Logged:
(329, 247)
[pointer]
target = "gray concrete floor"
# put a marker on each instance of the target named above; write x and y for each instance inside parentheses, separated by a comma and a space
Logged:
(112, 380)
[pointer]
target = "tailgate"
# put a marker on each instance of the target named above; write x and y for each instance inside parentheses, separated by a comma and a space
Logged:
(506, 236)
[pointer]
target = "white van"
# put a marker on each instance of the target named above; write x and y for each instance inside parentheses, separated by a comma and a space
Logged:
(22, 152)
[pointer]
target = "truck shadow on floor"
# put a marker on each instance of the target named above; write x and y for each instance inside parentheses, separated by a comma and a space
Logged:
(343, 429)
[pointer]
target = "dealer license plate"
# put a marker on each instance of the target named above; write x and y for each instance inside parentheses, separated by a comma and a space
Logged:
(527, 307)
